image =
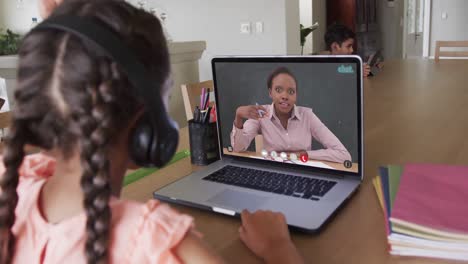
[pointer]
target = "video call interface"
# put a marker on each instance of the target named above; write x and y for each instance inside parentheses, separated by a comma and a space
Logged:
(302, 113)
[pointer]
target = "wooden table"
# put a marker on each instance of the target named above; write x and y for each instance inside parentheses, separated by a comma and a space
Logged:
(415, 111)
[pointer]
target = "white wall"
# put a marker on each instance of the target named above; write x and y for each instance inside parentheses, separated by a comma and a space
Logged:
(17, 19)
(293, 42)
(218, 23)
(391, 30)
(305, 9)
(319, 14)
(454, 27)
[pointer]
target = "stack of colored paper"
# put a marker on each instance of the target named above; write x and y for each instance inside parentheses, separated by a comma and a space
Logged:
(426, 209)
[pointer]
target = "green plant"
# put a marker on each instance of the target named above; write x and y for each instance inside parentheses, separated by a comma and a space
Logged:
(305, 31)
(9, 42)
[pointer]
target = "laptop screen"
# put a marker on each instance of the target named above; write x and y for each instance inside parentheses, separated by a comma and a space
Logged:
(303, 111)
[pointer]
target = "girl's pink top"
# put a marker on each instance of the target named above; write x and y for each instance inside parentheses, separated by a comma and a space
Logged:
(140, 233)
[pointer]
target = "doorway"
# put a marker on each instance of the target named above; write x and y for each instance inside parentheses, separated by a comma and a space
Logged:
(416, 28)
(305, 8)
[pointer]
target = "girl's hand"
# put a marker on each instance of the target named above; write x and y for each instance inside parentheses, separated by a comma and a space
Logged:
(266, 234)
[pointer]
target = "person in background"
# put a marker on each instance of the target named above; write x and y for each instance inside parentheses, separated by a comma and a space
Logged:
(75, 103)
(339, 40)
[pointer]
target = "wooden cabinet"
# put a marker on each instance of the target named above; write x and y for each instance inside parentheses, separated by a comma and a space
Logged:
(361, 17)
(343, 12)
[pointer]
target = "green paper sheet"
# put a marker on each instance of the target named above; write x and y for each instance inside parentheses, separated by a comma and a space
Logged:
(394, 173)
(143, 172)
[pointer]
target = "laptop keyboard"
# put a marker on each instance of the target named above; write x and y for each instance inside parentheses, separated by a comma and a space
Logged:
(290, 185)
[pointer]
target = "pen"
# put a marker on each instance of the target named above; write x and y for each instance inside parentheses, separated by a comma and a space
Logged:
(202, 98)
(207, 98)
(213, 114)
(206, 117)
(196, 114)
(202, 116)
(260, 112)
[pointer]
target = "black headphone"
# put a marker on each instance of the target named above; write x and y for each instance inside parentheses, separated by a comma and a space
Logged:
(155, 137)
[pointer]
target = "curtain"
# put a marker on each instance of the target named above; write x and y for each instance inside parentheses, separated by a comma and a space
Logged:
(415, 16)
(4, 95)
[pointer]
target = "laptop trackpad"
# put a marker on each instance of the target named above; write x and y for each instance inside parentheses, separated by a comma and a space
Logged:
(237, 200)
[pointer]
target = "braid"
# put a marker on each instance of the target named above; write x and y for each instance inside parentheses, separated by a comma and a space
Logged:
(12, 159)
(36, 127)
(71, 97)
(96, 128)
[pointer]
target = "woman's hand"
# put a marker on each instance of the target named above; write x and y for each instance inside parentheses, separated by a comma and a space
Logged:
(47, 6)
(249, 112)
(266, 234)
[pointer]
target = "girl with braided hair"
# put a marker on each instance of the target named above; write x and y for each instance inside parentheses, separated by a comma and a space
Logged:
(74, 103)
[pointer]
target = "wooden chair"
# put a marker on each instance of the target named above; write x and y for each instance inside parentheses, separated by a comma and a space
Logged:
(5, 119)
(450, 44)
(191, 96)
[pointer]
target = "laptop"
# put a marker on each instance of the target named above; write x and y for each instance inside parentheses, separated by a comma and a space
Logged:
(307, 183)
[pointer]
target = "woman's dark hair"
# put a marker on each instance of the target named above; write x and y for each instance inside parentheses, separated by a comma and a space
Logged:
(278, 71)
(338, 33)
(73, 97)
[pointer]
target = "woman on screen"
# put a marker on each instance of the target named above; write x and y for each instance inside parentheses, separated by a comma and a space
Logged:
(285, 126)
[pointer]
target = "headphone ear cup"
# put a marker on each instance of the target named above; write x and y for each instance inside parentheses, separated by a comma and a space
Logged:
(164, 148)
(152, 146)
(141, 141)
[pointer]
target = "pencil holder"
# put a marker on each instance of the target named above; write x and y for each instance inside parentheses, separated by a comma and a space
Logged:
(203, 143)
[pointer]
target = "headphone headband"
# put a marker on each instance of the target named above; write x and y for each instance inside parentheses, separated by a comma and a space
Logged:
(112, 44)
(154, 139)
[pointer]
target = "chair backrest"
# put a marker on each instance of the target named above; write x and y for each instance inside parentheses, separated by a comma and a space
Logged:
(258, 143)
(191, 96)
(450, 44)
(5, 119)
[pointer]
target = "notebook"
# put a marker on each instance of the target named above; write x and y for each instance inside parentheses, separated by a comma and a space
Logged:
(420, 223)
(432, 199)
